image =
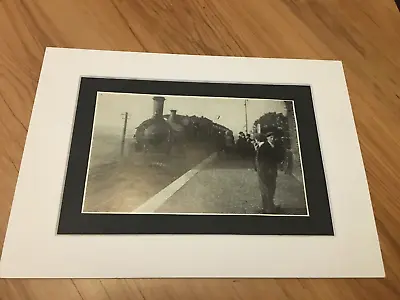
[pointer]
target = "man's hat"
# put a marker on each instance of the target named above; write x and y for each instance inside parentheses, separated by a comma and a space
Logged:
(269, 133)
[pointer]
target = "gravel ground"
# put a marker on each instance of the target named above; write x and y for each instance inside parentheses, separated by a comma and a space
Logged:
(231, 186)
(228, 185)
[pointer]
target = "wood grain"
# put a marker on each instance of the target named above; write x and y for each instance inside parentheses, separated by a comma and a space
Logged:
(364, 34)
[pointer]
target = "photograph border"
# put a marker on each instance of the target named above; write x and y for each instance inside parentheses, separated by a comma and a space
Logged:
(73, 221)
(198, 213)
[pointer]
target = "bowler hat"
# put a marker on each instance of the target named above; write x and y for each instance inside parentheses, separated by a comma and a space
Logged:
(269, 133)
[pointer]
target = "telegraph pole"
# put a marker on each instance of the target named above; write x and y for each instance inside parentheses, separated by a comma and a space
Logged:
(245, 114)
(125, 116)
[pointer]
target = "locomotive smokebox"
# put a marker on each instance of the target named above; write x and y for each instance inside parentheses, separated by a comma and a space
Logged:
(158, 106)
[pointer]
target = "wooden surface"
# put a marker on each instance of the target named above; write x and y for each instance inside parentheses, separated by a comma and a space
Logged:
(364, 34)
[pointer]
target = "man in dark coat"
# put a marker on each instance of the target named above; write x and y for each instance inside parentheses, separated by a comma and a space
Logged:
(241, 145)
(250, 151)
(268, 156)
(289, 159)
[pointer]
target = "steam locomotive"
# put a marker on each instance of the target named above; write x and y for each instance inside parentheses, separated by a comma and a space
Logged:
(162, 132)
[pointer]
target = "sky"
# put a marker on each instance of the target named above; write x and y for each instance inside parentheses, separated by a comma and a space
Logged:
(230, 111)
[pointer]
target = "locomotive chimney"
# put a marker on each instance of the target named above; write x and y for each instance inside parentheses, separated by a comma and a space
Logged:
(158, 106)
(172, 116)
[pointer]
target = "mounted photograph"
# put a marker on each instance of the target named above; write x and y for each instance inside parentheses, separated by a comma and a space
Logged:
(169, 154)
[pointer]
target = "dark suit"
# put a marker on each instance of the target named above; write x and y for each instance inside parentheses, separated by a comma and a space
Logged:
(241, 146)
(267, 160)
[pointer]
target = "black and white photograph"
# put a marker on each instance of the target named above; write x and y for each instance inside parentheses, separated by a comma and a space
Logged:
(170, 154)
(190, 167)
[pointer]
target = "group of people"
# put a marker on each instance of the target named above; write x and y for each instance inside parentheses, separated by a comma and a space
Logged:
(268, 154)
(246, 145)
